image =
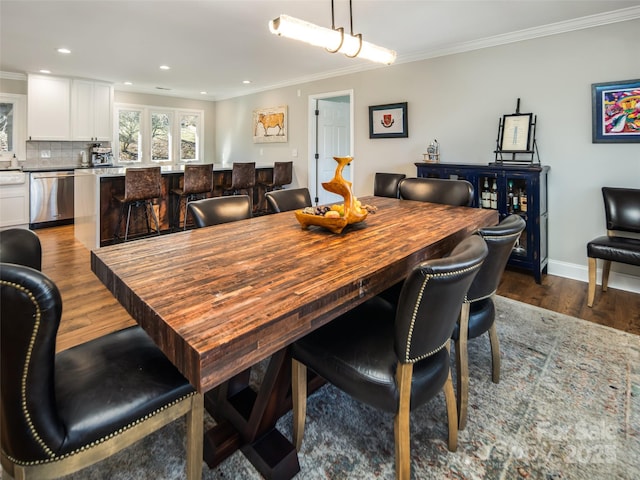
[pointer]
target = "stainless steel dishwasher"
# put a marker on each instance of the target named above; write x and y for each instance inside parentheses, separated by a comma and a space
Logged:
(51, 196)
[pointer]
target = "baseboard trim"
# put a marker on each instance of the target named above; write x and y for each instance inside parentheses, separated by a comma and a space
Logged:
(620, 281)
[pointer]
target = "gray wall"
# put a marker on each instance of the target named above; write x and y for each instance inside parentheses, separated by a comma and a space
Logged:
(459, 99)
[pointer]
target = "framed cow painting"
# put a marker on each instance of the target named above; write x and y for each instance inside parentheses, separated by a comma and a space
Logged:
(270, 125)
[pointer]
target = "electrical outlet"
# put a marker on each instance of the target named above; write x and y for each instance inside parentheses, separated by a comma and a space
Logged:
(45, 153)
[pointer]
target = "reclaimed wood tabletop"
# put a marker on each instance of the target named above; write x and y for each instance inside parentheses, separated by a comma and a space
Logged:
(219, 299)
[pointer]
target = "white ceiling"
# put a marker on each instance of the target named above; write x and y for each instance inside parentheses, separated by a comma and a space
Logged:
(214, 45)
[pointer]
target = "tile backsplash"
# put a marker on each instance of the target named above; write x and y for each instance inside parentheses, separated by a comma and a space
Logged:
(58, 154)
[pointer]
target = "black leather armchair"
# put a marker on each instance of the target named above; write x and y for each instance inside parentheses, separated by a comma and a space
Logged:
(437, 190)
(622, 211)
(286, 200)
(478, 310)
(21, 246)
(216, 210)
(63, 412)
(394, 359)
(386, 184)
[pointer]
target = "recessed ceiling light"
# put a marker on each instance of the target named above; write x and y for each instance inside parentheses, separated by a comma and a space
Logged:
(203, 93)
(246, 82)
(127, 83)
(165, 67)
(64, 50)
(45, 71)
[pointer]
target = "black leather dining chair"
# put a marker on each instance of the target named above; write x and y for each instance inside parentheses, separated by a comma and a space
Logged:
(394, 359)
(216, 210)
(66, 411)
(386, 184)
(286, 200)
(622, 212)
(478, 311)
(437, 190)
(21, 246)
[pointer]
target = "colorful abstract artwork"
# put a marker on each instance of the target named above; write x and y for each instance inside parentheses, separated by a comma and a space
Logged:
(616, 112)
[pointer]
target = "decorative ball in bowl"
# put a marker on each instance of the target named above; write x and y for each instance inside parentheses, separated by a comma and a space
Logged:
(349, 212)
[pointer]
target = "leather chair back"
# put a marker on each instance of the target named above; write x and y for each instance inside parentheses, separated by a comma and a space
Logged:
(282, 173)
(142, 183)
(290, 199)
(386, 184)
(437, 190)
(622, 208)
(21, 246)
(198, 179)
(431, 298)
(243, 175)
(30, 310)
(216, 210)
(500, 241)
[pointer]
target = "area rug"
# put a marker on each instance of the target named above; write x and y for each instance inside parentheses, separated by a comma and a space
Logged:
(567, 407)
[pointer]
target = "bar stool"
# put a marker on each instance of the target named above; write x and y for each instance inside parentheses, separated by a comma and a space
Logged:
(141, 186)
(282, 175)
(197, 182)
(243, 178)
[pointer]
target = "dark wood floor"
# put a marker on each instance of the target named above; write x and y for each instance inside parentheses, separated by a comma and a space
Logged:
(89, 309)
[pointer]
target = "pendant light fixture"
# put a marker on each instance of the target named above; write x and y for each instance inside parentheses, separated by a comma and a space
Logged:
(333, 39)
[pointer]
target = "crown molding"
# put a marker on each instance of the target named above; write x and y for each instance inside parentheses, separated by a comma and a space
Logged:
(13, 76)
(581, 23)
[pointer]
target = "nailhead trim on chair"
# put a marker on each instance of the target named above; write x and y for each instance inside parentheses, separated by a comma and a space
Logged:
(23, 388)
(25, 370)
(103, 439)
(415, 314)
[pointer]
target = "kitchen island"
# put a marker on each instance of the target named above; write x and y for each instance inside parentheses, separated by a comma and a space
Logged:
(96, 211)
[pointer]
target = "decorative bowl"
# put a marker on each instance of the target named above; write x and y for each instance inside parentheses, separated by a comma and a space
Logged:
(333, 224)
(339, 186)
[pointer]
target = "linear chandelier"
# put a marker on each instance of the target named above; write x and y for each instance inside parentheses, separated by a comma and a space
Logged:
(333, 39)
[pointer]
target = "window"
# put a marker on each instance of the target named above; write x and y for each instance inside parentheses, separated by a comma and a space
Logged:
(129, 137)
(189, 128)
(13, 126)
(158, 134)
(161, 137)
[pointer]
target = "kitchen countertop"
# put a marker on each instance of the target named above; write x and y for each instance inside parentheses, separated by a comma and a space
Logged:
(118, 171)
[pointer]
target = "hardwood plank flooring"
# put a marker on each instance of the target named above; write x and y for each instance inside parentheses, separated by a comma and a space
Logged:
(89, 309)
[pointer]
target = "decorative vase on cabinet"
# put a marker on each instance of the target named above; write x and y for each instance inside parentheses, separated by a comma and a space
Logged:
(519, 189)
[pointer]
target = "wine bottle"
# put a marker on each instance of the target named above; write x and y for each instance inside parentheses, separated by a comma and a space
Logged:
(486, 201)
(523, 200)
(510, 197)
(493, 196)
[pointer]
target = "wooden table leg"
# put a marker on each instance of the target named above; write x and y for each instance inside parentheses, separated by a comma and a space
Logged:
(247, 420)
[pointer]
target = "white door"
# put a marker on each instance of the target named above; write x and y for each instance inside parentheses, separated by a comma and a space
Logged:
(331, 138)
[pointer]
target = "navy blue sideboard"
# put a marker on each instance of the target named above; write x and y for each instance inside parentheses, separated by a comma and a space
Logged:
(528, 183)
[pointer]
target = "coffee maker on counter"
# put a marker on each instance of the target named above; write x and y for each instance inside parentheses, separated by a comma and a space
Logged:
(101, 156)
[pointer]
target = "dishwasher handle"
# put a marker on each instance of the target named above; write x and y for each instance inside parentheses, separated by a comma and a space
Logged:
(52, 175)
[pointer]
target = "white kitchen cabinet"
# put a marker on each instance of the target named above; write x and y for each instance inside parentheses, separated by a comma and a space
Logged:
(14, 199)
(48, 108)
(91, 110)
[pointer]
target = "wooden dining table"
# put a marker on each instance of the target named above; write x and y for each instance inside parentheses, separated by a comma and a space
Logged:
(221, 299)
